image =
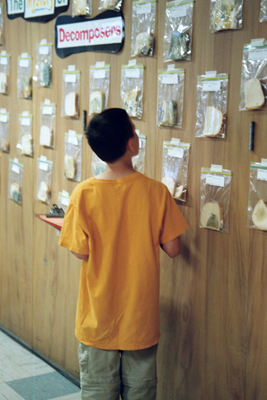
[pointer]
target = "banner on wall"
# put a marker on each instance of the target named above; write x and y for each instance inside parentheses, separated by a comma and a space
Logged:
(104, 33)
(36, 10)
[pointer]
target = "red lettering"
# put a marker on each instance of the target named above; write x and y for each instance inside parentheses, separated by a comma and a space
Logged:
(118, 31)
(77, 35)
(68, 36)
(107, 31)
(72, 35)
(61, 35)
(91, 34)
(113, 29)
(97, 33)
(102, 32)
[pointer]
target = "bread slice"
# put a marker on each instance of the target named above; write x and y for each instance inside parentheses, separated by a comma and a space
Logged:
(43, 192)
(254, 96)
(97, 102)
(170, 183)
(131, 102)
(26, 144)
(259, 215)
(179, 191)
(15, 192)
(71, 104)
(167, 113)
(212, 216)
(3, 82)
(214, 122)
(69, 167)
(143, 44)
(46, 137)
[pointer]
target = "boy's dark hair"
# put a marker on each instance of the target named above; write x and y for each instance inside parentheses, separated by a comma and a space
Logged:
(108, 134)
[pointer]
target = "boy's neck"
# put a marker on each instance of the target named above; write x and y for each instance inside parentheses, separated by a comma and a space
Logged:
(119, 169)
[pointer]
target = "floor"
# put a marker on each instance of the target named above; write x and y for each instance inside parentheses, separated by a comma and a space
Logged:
(24, 376)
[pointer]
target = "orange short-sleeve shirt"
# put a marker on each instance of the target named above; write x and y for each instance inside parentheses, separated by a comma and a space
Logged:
(120, 223)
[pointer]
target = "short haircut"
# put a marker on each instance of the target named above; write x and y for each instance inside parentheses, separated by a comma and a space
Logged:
(108, 134)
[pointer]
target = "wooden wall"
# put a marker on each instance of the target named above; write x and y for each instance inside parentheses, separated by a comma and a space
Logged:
(213, 300)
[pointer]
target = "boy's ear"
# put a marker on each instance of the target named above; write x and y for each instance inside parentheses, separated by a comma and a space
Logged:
(130, 145)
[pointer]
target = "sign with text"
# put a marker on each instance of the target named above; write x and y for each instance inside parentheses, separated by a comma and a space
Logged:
(104, 33)
(36, 10)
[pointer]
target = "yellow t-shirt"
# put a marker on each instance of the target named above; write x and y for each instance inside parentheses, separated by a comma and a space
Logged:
(120, 224)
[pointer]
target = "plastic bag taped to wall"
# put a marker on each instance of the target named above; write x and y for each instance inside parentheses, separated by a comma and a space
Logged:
(44, 180)
(257, 203)
(15, 181)
(253, 89)
(211, 110)
(226, 14)
(175, 168)
(4, 130)
(99, 88)
(143, 28)
(177, 41)
(132, 89)
(215, 188)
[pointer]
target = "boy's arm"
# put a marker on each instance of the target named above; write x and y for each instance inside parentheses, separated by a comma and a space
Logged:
(83, 257)
(172, 248)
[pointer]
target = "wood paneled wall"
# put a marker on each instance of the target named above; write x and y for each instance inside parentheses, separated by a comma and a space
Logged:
(213, 300)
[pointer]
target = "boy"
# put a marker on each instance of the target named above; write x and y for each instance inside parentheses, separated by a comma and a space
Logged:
(116, 223)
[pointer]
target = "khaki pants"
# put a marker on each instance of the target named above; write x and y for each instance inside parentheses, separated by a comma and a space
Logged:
(107, 374)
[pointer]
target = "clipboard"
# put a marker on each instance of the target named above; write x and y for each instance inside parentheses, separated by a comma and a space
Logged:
(56, 222)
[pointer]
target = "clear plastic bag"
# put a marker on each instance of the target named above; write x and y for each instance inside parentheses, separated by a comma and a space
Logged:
(99, 88)
(63, 200)
(170, 98)
(257, 203)
(81, 7)
(253, 89)
(4, 130)
(15, 181)
(263, 11)
(175, 168)
(132, 89)
(212, 94)
(215, 187)
(97, 165)
(70, 93)
(44, 180)
(110, 5)
(25, 143)
(48, 124)
(139, 160)
(177, 41)
(4, 72)
(42, 76)
(1, 24)
(24, 81)
(143, 28)
(226, 14)
(73, 156)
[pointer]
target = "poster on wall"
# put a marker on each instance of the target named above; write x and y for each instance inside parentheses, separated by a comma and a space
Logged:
(103, 33)
(36, 10)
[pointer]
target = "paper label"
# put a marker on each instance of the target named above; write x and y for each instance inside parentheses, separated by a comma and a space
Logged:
(143, 8)
(47, 110)
(3, 118)
(262, 174)
(212, 86)
(70, 78)
(132, 73)
(24, 63)
(99, 73)
(26, 121)
(215, 180)
(43, 166)
(72, 138)
(176, 152)
(65, 201)
(258, 54)
(179, 11)
(170, 79)
(3, 60)
(43, 50)
(15, 168)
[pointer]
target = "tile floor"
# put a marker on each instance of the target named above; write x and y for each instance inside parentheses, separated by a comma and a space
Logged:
(24, 376)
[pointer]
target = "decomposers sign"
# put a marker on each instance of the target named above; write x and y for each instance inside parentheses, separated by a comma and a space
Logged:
(104, 33)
